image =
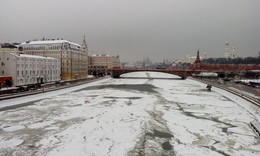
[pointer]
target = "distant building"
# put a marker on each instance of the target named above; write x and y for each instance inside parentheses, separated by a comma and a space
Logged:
(10, 47)
(127, 65)
(230, 53)
(29, 69)
(105, 61)
(73, 57)
(191, 59)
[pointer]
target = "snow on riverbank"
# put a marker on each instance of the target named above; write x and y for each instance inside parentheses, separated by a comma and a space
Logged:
(26, 99)
(131, 117)
(253, 109)
(244, 92)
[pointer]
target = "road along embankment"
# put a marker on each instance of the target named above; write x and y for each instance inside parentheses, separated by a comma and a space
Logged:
(46, 89)
(247, 97)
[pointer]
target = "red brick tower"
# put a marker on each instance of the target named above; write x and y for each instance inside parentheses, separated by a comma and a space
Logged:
(197, 61)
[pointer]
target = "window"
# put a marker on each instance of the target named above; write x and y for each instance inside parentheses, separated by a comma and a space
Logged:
(17, 73)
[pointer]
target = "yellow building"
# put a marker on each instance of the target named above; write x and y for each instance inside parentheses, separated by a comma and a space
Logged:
(104, 60)
(74, 57)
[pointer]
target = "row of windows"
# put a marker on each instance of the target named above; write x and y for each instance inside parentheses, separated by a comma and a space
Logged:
(42, 47)
(97, 66)
(38, 66)
(35, 72)
(33, 65)
(38, 60)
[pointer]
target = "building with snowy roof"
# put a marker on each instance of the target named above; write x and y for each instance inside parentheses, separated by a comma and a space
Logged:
(74, 57)
(29, 69)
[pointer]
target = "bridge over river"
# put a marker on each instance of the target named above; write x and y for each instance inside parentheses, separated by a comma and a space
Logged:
(183, 73)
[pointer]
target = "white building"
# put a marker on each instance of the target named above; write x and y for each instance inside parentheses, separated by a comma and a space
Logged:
(230, 53)
(191, 59)
(29, 69)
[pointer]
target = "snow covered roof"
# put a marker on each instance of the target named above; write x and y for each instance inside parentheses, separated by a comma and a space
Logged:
(49, 42)
(32, 56)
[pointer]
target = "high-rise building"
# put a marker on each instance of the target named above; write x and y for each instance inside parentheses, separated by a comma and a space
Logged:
(73, 57)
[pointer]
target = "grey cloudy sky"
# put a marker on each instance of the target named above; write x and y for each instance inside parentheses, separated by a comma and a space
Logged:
(137, 28)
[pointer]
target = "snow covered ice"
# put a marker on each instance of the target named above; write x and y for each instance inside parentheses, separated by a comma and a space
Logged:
(152, 114)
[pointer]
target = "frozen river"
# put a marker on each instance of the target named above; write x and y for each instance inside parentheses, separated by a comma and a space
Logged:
(154, 114)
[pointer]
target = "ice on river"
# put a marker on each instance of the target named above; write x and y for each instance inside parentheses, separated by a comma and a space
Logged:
(159, 115)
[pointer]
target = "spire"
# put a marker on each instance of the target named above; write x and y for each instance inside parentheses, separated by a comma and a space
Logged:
(84, 44)
(198, 57)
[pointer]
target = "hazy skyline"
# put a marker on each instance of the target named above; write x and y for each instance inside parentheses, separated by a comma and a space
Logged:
(138, 28)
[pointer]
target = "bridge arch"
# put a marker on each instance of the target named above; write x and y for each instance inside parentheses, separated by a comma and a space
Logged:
(116, 73)
(147, 75)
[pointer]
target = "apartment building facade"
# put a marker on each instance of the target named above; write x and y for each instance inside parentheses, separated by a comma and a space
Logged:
(29, 69)
(73, 57)
(105, 61)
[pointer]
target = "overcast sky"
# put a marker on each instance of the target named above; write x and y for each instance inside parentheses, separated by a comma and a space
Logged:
(138, 28)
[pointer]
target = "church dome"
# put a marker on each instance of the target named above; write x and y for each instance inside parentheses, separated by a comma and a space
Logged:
(226, 43)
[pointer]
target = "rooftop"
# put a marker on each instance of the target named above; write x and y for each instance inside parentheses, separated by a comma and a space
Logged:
(49, 42)
(32, 56)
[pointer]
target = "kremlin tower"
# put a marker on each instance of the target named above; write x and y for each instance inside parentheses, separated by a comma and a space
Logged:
(197, 61)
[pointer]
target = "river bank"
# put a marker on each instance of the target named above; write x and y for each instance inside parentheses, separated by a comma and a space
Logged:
(47, 88)
(241, 89)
